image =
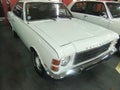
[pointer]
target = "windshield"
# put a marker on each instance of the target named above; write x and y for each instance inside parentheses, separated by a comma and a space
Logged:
(114, 8)
(38, 11)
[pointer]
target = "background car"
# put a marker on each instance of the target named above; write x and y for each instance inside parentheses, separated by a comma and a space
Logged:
(59, 43)
(103, 13)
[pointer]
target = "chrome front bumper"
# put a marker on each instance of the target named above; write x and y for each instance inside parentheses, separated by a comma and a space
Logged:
(80, 67)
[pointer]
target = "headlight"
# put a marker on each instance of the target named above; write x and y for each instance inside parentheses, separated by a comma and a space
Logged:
(65, 61)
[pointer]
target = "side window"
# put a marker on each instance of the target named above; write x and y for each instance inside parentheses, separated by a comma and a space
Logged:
(97, 9)
(79, 7)
(18, 10)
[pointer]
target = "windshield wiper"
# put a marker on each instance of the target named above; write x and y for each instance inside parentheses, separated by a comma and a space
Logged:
(116, 16)
(52, 19)
(69, 17)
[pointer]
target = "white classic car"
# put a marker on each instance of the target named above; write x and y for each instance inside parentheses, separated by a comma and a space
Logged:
(103, 13)
(59, 44)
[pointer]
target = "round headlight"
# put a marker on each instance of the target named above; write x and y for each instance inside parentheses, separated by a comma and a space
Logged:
(65, 61)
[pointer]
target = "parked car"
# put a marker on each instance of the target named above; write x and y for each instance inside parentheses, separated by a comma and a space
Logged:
(59, 43)
(103, 13)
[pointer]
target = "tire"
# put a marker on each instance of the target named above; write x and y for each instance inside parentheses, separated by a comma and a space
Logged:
(37, 64)
(118, 47)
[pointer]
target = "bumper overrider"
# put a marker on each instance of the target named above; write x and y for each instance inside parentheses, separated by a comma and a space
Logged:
(87, 65)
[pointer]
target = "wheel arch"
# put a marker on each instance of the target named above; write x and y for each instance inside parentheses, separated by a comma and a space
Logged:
(118, 45)
(33, 49)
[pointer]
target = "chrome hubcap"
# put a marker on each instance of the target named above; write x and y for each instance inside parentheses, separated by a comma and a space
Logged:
(37, 61)
(119, 48)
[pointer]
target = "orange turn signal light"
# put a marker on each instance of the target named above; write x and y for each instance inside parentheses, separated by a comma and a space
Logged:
(54, 68)
(55, 62)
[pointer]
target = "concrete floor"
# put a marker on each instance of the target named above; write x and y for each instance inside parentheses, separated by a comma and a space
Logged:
(17, 72)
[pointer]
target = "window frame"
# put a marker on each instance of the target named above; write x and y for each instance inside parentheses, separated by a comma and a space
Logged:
(67, 11)
(21, 11)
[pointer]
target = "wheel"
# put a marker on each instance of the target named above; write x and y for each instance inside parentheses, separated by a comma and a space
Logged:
(37, 64)
(118, 47)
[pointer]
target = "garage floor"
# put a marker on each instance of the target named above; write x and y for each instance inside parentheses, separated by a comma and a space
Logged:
(17, 72)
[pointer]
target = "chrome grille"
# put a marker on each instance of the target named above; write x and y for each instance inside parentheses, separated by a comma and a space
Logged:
(90, 53)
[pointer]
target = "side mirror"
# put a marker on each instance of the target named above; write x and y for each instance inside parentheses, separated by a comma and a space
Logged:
(104, 15)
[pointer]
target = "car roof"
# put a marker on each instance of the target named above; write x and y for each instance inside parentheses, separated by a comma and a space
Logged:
(99, 1)
(55, 1)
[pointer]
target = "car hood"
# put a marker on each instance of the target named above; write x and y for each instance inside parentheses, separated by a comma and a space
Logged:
(65, 31)
(114, 25)
(116, 19)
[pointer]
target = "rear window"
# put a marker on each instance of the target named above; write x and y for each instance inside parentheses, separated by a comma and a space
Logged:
(18, 10)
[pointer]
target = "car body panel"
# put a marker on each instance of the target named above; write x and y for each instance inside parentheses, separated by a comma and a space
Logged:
(60, 38)
(73, 34)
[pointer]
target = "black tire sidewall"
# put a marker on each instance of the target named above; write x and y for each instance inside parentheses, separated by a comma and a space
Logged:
(40, 72)
(118, 47)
